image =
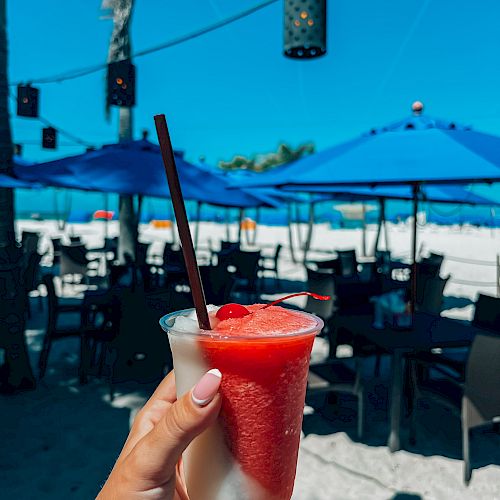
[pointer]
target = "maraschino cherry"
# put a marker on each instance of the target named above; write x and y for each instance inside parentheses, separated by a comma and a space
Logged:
(229, 311)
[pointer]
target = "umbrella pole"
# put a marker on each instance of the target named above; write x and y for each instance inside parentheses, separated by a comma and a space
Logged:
(386, 234)
(381, 218)
(290, 233)
(413, 297)
(297, 221)
(363, 234)
(257, 222)
(310, 230)
(106, 220)
(227, 217)
(197, 227)
(242, 213)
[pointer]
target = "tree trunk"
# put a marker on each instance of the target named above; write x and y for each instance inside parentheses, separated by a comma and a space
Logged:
(15, 370)
(128, 217)
(7, 234)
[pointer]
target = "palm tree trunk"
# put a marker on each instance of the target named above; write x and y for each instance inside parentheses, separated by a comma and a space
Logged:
(7, 234)
(128, 218)
(15, 372)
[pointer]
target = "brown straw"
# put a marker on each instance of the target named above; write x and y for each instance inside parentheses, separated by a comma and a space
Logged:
(195, 283)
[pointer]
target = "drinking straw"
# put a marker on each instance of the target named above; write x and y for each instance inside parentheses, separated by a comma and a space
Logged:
(195, 283)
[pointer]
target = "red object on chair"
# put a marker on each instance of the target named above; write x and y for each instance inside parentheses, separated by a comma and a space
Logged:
(104, 214)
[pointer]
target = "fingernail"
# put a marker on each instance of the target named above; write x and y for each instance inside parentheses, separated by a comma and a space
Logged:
(206, 389)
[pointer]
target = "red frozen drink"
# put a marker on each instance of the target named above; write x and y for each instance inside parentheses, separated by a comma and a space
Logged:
(264, 357)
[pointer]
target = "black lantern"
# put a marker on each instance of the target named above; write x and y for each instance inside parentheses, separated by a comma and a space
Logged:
(27, 101)
(305, 28)
(49, 138)
(18, 149)
(121, 84)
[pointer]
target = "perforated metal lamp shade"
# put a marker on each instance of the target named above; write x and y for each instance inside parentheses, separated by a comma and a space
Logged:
(305, 28)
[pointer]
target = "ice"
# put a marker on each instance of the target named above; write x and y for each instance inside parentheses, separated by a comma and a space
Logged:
(189, 323)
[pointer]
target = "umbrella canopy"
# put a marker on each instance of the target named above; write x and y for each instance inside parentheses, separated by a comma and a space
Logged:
(442, 193)
(419, 149)
(136, 167)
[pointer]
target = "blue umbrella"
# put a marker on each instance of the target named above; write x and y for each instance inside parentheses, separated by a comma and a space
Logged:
(136, 167)
(416, 150)
(442, 193)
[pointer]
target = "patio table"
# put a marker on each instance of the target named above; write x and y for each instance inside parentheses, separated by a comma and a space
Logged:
(427, 332)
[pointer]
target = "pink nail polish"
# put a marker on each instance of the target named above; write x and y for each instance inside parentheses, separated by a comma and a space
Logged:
(206, 389)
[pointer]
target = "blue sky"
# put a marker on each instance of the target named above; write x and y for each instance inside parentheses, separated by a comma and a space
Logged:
(232, 92)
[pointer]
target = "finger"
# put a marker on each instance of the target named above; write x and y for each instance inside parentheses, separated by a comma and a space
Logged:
(155, 456)
(144, 423)
(150, 414)
(165, 391)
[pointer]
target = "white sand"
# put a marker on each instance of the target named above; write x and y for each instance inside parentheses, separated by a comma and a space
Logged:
(60, 440)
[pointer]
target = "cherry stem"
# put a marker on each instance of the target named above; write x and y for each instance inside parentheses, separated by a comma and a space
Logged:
(311, 294)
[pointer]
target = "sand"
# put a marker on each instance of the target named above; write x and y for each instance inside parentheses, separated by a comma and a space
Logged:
(61, 440)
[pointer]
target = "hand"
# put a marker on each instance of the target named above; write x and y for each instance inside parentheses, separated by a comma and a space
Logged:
(149, 465)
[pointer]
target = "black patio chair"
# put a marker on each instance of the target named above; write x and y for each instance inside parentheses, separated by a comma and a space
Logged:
(246, 266)
(218, 283)
(53, 330)
(270, 264)
(476, 399)
(140, 351)
(430, 294)
(32, 278)
(486, 316)
(321, 282)
(29, 242)
(74, 262)
(335, 376)
(56, 251)
(347, 264)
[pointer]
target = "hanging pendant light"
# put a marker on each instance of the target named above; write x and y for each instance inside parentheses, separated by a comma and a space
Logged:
(305, 29)
(49, 138)
(27, 101)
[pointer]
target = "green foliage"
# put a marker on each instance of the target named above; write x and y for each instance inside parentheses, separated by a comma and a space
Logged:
(262, 163)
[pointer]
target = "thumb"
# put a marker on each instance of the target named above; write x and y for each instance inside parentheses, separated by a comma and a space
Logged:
(156, 455)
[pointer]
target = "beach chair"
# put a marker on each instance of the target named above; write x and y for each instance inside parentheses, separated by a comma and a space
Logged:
(476, 399)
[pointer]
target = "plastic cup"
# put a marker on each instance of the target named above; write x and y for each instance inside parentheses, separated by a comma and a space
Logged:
(251, 451)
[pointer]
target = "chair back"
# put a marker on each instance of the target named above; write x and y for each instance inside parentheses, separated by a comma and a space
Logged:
(246, 264)
(322, 283)
(383, 261)
(167, 249)
(430, 266)
(482, 379)
(31, 272)
(218, 283)
(347, 263)
(29, 242)
(277, 254)
(52, 301)
(432, 296)
(75, 240)
(229, 245)
(141, 253)
(487, 312)
(73, 260)
(140, 352)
